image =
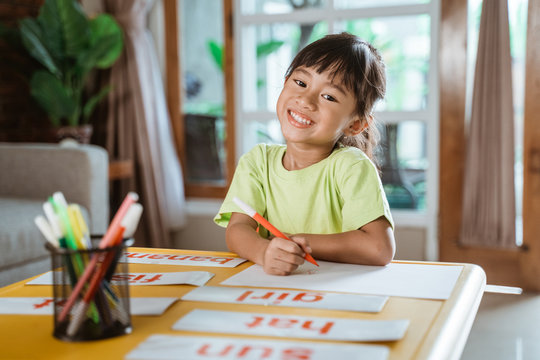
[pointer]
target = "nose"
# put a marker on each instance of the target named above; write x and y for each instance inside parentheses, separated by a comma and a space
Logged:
(307, 100)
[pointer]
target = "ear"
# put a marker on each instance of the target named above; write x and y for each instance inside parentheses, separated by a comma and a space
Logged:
(356, 126)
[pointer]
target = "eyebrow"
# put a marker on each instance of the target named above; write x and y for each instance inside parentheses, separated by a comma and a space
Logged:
(330, 83)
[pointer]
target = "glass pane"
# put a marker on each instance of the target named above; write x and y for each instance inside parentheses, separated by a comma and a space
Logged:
(348, 4)
(250, 7)
(201, 28)
(262, 132)
(402, 158)
(267, 51)
(404, 42)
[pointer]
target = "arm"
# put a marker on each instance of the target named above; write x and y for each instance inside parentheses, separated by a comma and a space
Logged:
(372, 244)
(277, 256)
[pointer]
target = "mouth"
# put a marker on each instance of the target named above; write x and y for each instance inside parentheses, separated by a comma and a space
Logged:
(298, 120)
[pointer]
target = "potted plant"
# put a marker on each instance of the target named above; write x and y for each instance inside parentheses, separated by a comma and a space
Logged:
(69, 45)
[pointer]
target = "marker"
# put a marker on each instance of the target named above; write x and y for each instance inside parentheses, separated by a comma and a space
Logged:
(108, 240)
(129, 222)
(257, 217)
(54, 221)
(79, 310)
(82, 224)
(46, 230)
(131, 219)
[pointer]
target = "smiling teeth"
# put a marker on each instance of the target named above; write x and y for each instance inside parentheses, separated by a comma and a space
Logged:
(300, 119)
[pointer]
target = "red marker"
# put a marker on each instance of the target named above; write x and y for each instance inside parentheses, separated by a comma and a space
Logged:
(251, 212)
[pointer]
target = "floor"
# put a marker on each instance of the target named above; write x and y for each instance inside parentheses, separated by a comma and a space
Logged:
(506, 327)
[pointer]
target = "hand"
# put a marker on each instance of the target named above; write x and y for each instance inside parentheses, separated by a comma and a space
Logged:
(282, 256)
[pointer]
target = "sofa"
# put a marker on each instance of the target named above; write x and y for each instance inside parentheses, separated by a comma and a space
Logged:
(29, 174)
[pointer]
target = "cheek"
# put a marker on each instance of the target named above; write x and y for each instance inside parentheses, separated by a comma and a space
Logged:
(280, 104)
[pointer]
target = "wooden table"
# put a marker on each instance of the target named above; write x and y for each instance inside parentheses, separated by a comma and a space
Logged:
(438, 328)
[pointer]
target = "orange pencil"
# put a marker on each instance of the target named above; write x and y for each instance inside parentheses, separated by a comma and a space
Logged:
(261, 220)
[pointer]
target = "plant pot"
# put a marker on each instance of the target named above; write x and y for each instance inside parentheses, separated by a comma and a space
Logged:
(81, 133)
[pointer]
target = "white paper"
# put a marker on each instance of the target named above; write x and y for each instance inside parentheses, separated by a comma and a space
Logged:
(44, 306)
(197, 278)
(167, 347)
(292, 298)
(175, 259)
(292, 326)
(408, 280)
(150, 306)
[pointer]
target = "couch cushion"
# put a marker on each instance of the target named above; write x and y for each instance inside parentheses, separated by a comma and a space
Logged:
(20, 239)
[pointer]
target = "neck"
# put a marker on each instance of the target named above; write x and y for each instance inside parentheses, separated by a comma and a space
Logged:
(297, 157)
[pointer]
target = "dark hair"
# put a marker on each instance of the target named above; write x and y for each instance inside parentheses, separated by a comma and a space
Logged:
(360, 68)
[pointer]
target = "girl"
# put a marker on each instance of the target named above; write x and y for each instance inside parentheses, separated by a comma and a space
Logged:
(322, 186)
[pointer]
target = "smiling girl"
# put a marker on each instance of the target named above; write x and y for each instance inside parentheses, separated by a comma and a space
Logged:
(322, 187)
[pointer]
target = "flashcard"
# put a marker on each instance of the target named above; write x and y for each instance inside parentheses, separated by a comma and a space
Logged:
(292, 326)
(191, 260)
(426, 281)
(275, 297)
(44, 306)
(169, 347)
(150, 306)
(197, 278)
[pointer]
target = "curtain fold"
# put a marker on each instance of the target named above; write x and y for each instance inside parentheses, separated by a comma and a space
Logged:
(489, 195)
(138, 127)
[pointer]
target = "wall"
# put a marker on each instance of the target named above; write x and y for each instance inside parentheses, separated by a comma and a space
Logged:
(21, 119)
(201, 233)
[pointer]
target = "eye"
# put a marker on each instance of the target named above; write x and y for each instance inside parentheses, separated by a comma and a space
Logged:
(300, 83)
(329, 97)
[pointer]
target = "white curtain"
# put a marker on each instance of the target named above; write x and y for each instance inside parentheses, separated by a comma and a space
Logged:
(489, 195)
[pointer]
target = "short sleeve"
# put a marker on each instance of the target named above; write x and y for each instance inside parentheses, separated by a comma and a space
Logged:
(364, 199)
(246, 185)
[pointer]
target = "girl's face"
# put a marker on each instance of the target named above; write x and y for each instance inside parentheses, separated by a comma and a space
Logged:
(314, 110)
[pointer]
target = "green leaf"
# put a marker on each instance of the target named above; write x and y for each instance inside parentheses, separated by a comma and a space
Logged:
(268, 47)
(75, 26)
(32, 38)
(93, 101)
(52, 96)
(216, 51)
(106, 40)
(90, 58)
(52, 29)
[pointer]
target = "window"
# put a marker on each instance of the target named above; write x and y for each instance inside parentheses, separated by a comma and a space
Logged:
(200, 89)
(269, 34)
(512, 267)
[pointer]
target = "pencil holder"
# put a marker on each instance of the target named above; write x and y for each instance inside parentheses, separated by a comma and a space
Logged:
(88, 303)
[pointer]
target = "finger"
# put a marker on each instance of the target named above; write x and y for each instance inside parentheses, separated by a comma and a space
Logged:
(288, 257)
(278, 271)
(280, 245)
(276, 266)
(282, 268)
(302, 243)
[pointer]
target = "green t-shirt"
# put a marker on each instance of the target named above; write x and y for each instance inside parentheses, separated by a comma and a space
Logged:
(340, 193)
